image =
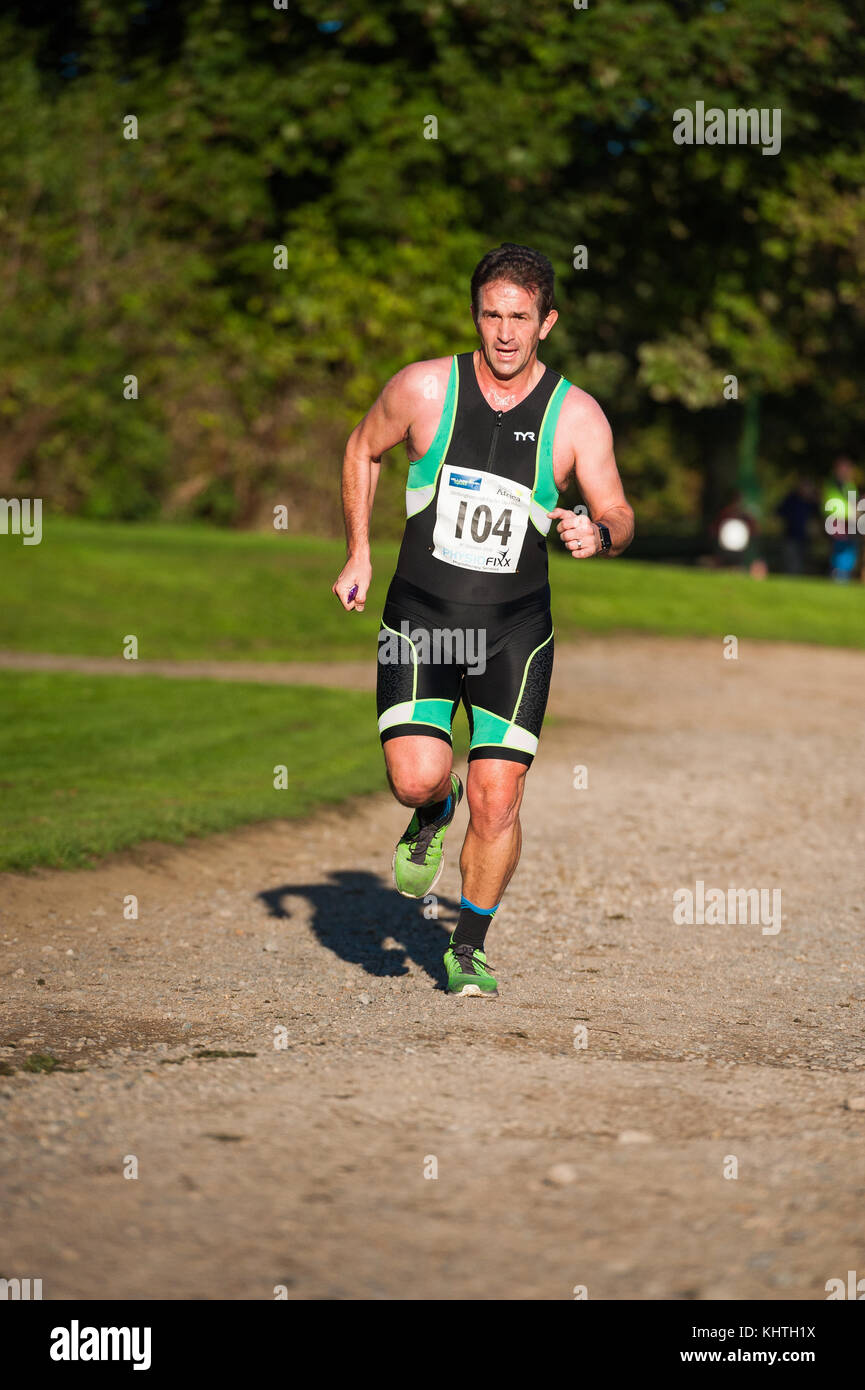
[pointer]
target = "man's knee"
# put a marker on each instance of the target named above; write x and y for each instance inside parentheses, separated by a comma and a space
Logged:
(412, 789)
(494, 799)
(415, 780)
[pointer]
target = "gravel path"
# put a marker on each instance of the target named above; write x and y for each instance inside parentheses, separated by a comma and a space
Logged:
(557, 1165)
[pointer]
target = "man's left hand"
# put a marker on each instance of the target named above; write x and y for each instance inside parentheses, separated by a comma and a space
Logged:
(579, 533)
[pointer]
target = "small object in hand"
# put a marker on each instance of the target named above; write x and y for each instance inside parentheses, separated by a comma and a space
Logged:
(352, 593)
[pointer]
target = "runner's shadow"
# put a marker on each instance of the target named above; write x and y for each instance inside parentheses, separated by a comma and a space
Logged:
(352, 915)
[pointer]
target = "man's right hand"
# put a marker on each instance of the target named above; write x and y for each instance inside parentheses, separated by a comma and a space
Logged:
(357, 572)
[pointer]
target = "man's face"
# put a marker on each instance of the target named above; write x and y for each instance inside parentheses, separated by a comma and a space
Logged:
(509, 328)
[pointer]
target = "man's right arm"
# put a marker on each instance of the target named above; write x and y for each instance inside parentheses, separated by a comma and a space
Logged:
(385, 425)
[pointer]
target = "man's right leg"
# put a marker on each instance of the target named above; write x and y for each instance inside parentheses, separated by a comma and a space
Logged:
(419, 772)
(418, 769)
(416, 699)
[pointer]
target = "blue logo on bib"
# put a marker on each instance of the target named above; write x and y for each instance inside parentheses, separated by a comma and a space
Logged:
(463, 480)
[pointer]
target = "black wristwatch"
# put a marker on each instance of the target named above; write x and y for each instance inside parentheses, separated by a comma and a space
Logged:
(606, 543)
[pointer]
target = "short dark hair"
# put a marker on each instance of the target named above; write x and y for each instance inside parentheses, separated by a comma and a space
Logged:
(521, 266)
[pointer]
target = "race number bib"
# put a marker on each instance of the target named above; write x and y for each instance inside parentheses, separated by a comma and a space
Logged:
(480, 521)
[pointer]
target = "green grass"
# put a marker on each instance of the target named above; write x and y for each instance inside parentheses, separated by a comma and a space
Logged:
(89, 765)
(184, 591)
(621, 595)
(196, 592)
(93, 764)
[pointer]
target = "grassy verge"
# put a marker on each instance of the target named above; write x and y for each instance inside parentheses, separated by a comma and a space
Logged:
(93, 764)
(192, 592)
(185, 592)
(89, 765)
(625, 596)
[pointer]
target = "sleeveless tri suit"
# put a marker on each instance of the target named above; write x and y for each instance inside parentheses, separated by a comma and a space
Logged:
(467, 614)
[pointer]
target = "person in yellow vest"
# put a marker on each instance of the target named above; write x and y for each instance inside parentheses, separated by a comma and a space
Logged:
(840, 502)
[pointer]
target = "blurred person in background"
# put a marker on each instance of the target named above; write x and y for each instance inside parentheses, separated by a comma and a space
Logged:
(735, 531)
(798, 511)
(840, 506)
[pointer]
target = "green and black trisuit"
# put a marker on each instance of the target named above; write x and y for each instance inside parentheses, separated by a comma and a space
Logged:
(467, 614)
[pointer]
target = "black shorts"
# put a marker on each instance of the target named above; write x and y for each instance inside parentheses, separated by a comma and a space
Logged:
(495, 658)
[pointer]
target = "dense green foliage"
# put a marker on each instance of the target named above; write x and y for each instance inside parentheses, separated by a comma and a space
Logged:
(194, 592)
(304, 127)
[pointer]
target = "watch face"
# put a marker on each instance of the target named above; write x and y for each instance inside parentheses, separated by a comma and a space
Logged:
(605, 536)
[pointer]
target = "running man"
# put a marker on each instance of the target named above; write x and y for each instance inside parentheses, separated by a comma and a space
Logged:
(493, 436)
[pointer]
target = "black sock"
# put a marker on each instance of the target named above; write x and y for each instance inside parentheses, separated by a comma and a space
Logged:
(473, 925)
(436, 810)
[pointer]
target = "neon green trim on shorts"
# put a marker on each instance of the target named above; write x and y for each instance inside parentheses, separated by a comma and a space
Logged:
(526, 672)
(403, 638)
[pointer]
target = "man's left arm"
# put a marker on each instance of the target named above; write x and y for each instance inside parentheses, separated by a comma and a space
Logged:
(590, 439)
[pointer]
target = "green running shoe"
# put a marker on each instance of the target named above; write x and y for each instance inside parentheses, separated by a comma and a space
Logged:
(468, 972)
(419, 856)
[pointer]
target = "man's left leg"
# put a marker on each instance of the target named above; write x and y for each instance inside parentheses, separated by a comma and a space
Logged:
(505, 701)
(491, 850)
(490, 854)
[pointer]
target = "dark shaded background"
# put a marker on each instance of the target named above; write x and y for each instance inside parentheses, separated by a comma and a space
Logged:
(305, 128)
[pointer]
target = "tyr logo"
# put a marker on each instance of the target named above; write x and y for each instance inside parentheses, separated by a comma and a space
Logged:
(524, 434)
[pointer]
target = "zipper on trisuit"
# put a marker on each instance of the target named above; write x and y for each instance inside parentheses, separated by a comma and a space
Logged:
(495, 438)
